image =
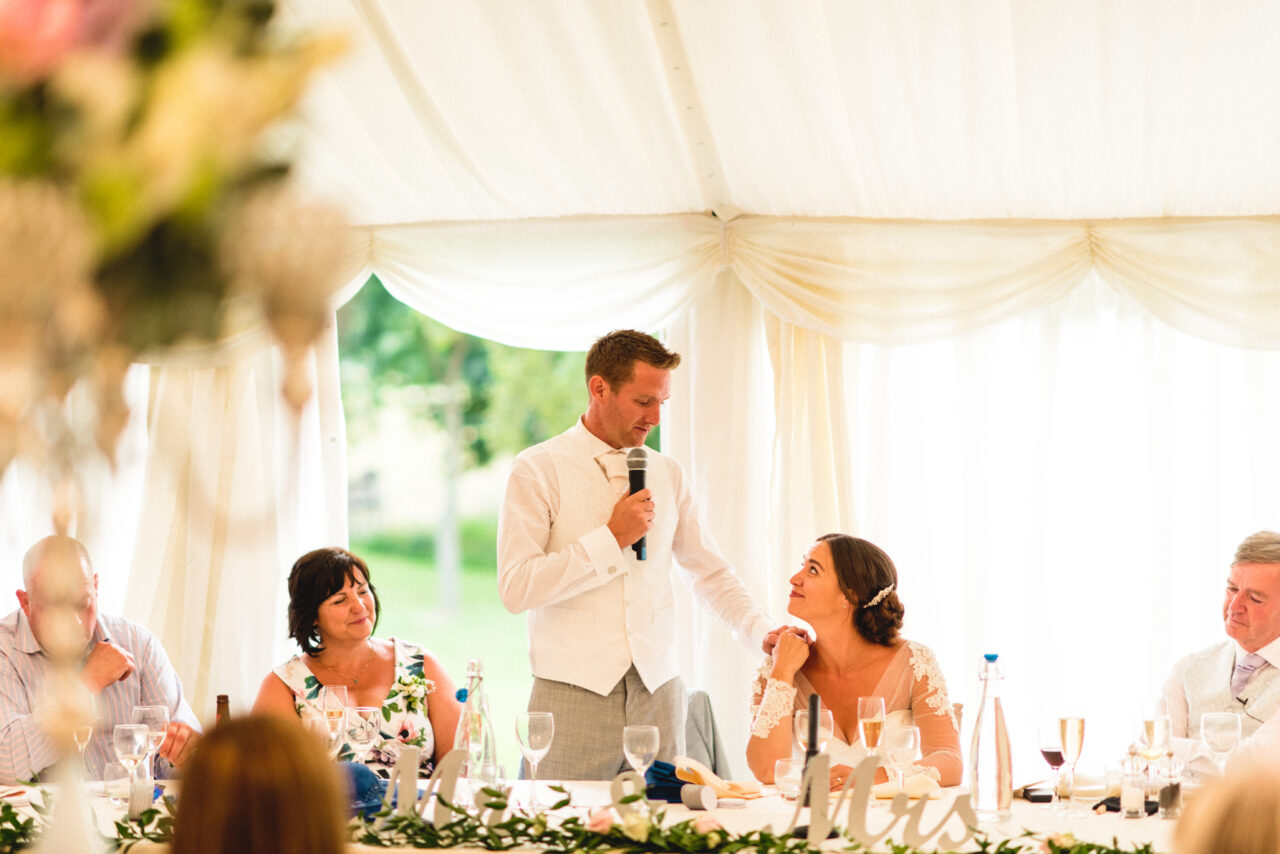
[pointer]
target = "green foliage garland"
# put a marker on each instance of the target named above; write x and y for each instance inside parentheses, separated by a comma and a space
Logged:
(525, 830)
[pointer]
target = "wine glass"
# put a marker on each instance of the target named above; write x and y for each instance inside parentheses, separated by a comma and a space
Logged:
(130, 743)
(332, 701)
(81, 734)
(1051, 750)
(534, 731)
(156, 720)
(1071, 732)
(115, 784)
(902, 747)
(826, 727)
(640, 746)
(870, 721)
(786, 777)
(1154, 732)
(1220, 732)
(362, 730)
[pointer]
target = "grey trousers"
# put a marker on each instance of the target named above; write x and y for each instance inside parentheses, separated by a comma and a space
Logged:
(588, 739)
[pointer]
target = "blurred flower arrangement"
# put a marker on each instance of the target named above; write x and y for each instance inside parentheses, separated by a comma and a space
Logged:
(144, 203)
(144, 207)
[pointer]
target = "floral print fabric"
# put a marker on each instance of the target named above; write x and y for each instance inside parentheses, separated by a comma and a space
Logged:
(404, 711)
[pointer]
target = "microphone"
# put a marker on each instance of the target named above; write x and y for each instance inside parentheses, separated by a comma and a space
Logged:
(637, 461)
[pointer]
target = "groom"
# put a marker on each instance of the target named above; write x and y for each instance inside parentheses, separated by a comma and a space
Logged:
(601, 619)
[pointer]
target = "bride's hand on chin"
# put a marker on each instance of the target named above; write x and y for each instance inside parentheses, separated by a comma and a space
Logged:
(789, 655)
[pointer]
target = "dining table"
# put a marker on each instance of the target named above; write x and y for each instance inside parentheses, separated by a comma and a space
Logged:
(770, 810)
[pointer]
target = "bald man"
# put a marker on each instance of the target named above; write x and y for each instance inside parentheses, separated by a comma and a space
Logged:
(123, 665)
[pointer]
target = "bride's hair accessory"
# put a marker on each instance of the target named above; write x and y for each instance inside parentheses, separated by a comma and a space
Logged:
(879, 597)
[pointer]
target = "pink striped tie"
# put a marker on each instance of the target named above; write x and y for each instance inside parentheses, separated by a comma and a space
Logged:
(1244, 670)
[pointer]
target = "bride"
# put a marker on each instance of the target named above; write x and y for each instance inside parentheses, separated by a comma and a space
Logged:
(846, 592)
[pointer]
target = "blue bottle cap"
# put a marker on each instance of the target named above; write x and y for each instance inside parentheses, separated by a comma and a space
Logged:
(460, 695)
(991, 656)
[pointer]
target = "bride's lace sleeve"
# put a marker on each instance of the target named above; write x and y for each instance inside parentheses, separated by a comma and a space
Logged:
(936, 718)
(771, 701)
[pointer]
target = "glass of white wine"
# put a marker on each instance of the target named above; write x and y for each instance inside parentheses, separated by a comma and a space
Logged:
(1071, 731)
(870, 721)
(1154, 732)
(332, 701)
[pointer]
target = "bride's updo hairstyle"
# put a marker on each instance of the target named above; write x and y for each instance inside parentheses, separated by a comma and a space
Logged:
(863, 571)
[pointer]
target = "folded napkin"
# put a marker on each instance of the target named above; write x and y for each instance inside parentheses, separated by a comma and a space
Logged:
(661, 782)
(916, 786)
(365, 790)
(1095, 786)
(693, 771)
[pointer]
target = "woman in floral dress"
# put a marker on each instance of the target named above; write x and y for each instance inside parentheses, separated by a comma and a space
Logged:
(333, 610)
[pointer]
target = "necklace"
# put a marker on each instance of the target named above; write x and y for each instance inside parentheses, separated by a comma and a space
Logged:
(354, 680)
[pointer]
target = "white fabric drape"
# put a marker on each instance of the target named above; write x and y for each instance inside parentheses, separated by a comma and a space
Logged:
(238, 487)
(794, 291)
(1001, 114)
(1065, 488)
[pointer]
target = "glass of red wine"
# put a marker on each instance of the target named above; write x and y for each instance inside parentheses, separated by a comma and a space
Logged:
(1051, 750)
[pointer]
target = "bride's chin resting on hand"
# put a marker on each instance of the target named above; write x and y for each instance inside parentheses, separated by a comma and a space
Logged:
(846, 590)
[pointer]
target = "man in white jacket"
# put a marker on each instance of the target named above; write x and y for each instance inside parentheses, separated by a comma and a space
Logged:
(601, 618)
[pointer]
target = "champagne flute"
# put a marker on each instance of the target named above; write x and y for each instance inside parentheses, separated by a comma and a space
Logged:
(362, 730)
(826, 728)
(640, 746)
(1071, 731)
(1051, 750)
(1154, 733)
(130, 743)
(81, 735)
(902, 746)
(870, 721)
(333, 708)
(156, 720)
(534, 732)
(1220, 732)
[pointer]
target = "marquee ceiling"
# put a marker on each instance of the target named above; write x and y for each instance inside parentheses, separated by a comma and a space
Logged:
(950, 109)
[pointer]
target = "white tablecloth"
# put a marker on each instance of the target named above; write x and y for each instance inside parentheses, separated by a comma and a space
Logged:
(775, 811)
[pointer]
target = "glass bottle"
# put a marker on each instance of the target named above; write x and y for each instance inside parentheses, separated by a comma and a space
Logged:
(990, 766)
(1171, 788)
(1133, 785)
(222, 714)
(475, 729)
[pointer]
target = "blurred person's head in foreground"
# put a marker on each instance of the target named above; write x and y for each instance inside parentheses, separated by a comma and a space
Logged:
(260, 785)
(1239, 813)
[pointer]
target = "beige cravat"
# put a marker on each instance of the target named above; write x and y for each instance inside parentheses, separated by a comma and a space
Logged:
(614, 465)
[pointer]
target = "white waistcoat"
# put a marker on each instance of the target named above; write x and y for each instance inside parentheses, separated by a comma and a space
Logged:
(1207, 685)
(592, 639)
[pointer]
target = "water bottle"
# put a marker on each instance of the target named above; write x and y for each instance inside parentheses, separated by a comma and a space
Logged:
(475, 730)
(990, 769)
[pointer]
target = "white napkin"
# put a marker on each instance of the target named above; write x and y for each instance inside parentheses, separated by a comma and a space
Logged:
(693, 771)
(916, 786)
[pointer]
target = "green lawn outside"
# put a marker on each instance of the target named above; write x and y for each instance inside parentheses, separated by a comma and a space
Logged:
(403, 570)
